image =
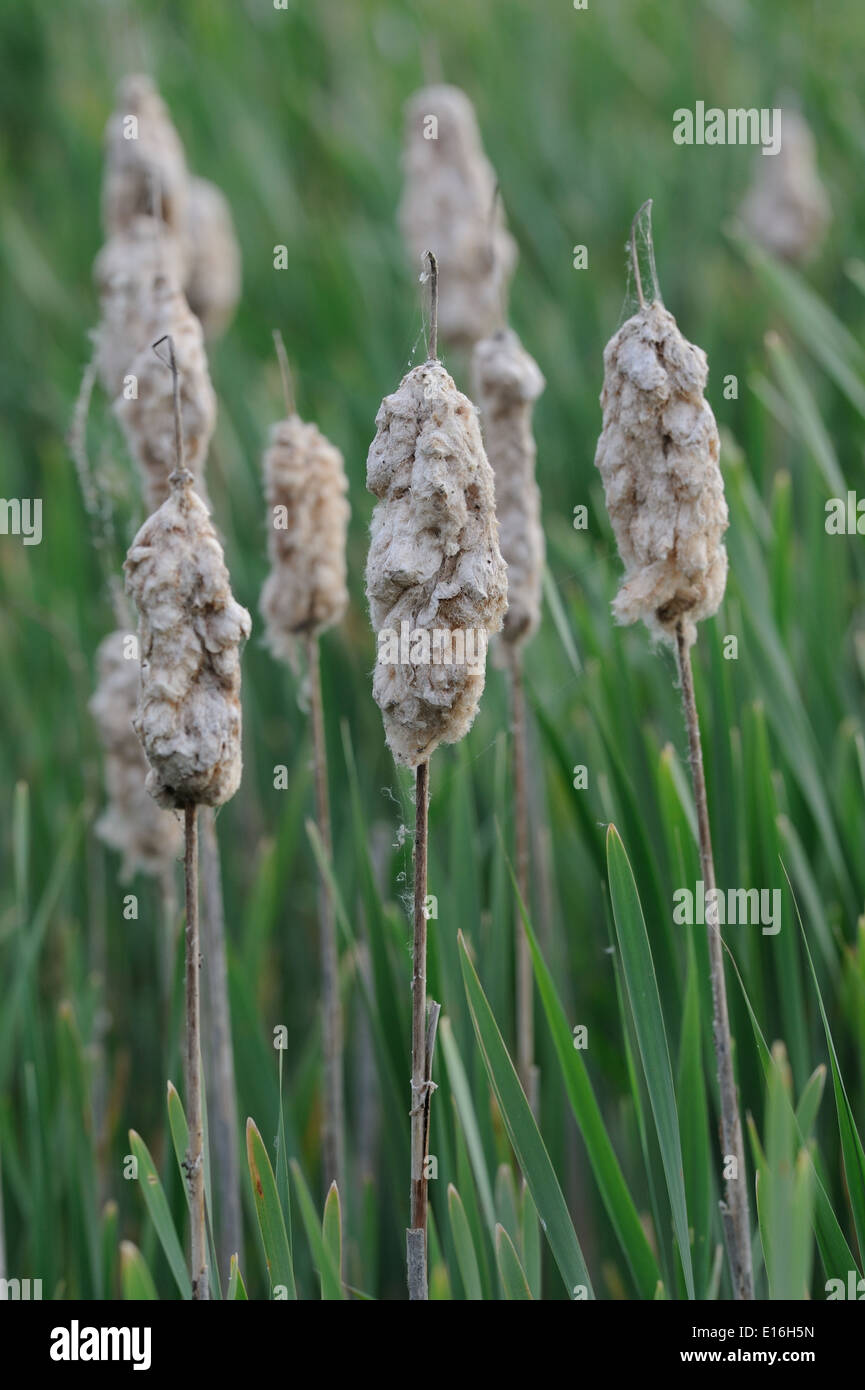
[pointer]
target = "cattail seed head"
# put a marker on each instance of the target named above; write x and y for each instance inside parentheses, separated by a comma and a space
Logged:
(148, 837)
(145, 167)
(786, 209)
(128, 271)
(509, 382)
(308, 513)
(434, 562)
(212, 254)
(148, 417)
(658, 458)
(449, 204)
(191, 631)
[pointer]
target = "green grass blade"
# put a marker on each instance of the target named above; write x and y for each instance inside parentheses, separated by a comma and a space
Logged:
(511, 1272)
(236, 1286)
(322, 1253)
(642, 989)
(462, 1236)
(271, 1223)
(525, 1137)
(136, 1280)
(157, 1206)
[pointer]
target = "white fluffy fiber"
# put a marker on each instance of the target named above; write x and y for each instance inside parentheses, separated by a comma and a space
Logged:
(658, 458)
(434, 559)
(306, 488)
(509, 381)
(449, 208)
(191, 631)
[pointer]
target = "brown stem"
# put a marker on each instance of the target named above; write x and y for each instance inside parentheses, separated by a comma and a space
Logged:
(219, 1053)
(179, 456)
(333, 1136)
(432, 348)
(194, 1161)
(284, 372)
(734, 1209)
(634, 257)
(422, 1043)
(524, 973)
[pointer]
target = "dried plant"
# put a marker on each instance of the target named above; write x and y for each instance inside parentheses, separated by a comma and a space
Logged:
(658, 457)
(212, 257)
(189, 721)
(145, 167)
(147, 416)
(434, 567)
(509, 381)
(304, 594)
(787, 209)
(148, 837)
(449, 203)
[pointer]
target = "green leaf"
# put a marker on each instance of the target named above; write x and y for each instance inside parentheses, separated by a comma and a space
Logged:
(322, 1254)
(136, 1280)
(511, 1272)
(525, 1137)
(530, 1232)
(466, 1258)
(236, 1286)
(157, 1206)
(331, 1228)
(269, 1212)
(642, 989)
(608, 1174)
(851, 1144)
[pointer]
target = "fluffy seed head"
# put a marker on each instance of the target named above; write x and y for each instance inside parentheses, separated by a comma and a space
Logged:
(130, 269)
(786, 208)
(148, 420)
(308, 513)
(658, 458)
(191, 631)
(145, 167)
(509, 382)
(148, 837)
(212, 257)
(449, 206)
(434, 562)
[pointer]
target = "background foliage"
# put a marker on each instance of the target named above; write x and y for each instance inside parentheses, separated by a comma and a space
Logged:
(297, 115)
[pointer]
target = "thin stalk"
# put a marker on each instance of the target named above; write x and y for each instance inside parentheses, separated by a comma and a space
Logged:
(333, 1137)
(221, 1091)
(524, 973)
(432, 346)
(423, 1034)
(194, 1162)
(734, 1210)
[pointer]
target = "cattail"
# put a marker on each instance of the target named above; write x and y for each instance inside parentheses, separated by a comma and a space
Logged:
(304, 594)
(212, 256)
(509, 382)
(147, 417)
(148, 837)
(188, 715)
(787, 209)
(129, 270)
(145, 167)
(434, 562)
(658, 457)
(145, 163)
(437, 587)
(449, 203)
(188, 720)
(308, 513)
